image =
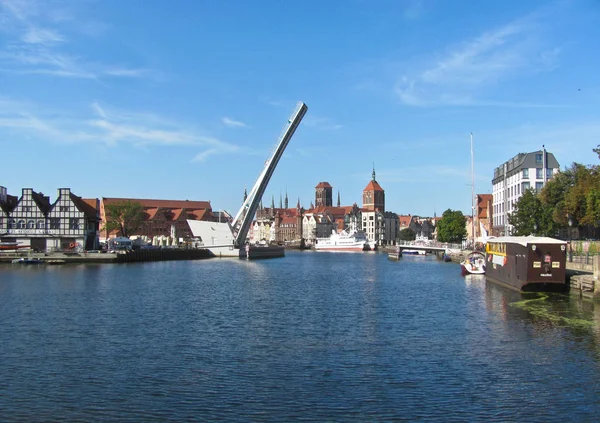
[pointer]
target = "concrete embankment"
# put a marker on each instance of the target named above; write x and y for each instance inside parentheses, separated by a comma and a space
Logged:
(131, 256)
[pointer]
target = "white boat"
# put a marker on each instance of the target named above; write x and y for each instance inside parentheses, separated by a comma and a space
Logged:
(347, 240)
(473, 264)
(414, 252)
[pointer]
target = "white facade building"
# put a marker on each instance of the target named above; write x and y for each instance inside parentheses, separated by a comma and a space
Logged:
(70, 223)
(511, 179)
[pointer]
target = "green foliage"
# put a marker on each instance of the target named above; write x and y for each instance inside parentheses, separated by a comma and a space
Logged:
(451, 227)
(124, 216)
(531, 216)
(407, 234)
(593, 248)
(579, 248)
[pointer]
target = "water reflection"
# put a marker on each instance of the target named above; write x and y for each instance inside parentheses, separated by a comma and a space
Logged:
(313, 337)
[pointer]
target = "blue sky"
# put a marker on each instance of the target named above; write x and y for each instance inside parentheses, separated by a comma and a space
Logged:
(185, 99)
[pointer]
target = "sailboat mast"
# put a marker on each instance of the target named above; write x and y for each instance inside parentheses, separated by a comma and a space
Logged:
(472, 193)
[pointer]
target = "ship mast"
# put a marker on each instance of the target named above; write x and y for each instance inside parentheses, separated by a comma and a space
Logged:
(472, 194)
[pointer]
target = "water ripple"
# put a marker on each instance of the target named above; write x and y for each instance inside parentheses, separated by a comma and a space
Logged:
(313, 337)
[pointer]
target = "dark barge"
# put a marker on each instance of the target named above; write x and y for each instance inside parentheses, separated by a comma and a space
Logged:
(527, 263)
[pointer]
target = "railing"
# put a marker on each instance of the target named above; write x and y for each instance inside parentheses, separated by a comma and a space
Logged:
(585, 258)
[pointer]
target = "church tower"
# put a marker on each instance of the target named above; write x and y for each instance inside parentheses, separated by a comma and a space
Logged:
(374, 195)
(323, 195)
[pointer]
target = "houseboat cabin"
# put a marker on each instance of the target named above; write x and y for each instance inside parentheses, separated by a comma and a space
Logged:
(527, 263)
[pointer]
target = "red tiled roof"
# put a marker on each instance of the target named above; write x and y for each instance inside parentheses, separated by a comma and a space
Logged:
(288, 220)
(168, 204)
(373, 186)
(336, 211)
(404, 220)
(84, 206)
(323, 185)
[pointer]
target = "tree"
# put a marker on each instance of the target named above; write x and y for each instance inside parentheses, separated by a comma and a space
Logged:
(451, 227)
(124, 216)
(407, 234)
(531, 216)
(597, 151)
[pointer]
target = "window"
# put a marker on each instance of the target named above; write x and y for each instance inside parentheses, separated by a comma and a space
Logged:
(539, 186)
(526, 186)
(64, 208)
(30, 224)
(26, 208)
(11, 224)
(54, 223)
(539, 173)
(538, 158)
(41, 224)
(525, 173)
(21, 224)
(548, 173)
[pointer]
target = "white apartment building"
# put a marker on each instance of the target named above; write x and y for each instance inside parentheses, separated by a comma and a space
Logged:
(511, 179)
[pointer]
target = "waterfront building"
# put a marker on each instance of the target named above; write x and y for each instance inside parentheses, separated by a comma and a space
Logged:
(373, 219)
(167, 218)
(281, 225)
(391, 227)
(70, 223)
(512, 178)
(483, 216)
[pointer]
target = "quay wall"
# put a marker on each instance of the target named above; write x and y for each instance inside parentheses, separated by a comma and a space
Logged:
(128, 257)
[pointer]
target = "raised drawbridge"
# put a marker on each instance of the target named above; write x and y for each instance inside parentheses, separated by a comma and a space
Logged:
(229, 239)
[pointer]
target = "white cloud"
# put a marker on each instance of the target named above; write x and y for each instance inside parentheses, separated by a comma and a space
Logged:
(321, 123)
(34, 43)
(41, 36)
(464, 72)
(233, 123)
(108, 127)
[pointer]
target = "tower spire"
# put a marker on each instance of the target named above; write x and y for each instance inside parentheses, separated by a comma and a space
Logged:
(286, 198)
(338, 204)
(373, 171)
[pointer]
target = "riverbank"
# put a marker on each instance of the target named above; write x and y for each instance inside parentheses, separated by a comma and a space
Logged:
(122, 257)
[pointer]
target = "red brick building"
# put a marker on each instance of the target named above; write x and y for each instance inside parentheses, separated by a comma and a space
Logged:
(161, 216)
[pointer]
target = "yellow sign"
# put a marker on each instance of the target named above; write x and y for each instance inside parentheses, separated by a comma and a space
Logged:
(556, 264)
(537, 264)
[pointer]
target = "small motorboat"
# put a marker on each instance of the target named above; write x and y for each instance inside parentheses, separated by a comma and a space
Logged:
(28, 260)
(473, 264)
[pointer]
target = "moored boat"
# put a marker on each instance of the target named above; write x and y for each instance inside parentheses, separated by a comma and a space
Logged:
(473, 264)
(527, 263)
(347, 240)
(28, 260)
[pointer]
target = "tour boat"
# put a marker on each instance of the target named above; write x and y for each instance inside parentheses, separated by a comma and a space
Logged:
(473, 264)
(347, 240)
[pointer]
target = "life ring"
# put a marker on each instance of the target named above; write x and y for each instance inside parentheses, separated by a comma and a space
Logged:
(72, 245)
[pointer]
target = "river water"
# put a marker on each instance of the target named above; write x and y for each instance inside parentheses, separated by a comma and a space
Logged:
(314, 336)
